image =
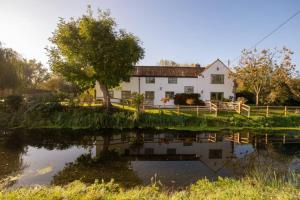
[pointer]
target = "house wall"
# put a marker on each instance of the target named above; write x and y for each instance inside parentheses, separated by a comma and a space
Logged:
(205, 81)
(202, 85)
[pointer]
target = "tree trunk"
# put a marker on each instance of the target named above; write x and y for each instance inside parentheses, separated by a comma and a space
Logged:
(257, 99)
(106, 98)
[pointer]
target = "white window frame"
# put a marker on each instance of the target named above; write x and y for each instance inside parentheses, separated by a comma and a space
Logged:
(122, 94)
(216, 80)
(172, 80)
(147, 95)
(167, 96)
(150, 80)
(186, 88)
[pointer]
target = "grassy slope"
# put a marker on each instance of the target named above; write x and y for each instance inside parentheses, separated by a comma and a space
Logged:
(95, 118)
(203, 189)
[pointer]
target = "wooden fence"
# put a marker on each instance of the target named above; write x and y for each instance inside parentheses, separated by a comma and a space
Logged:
(214, 108)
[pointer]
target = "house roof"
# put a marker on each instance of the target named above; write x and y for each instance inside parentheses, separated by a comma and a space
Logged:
(167, 71)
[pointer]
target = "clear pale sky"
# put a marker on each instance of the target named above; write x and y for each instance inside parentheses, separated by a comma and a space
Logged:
(186, 31)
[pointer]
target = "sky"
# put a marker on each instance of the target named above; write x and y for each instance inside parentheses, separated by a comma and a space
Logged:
(186, 31)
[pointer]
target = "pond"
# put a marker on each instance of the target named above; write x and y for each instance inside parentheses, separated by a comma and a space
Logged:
(140, 157)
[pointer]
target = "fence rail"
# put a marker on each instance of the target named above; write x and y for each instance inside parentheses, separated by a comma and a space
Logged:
(213, 108)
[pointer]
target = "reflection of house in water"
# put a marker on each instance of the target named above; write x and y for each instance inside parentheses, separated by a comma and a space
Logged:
(185, 158)
(172, 156)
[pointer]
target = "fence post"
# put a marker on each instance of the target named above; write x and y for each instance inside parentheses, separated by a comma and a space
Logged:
(197, 111)
(239, 107)
(249, 111)
(216, 111)
(267, 114)
(285, 110)
(178, 109)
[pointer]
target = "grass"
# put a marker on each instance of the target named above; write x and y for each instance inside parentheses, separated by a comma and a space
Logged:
(246, 188)
(120, 118)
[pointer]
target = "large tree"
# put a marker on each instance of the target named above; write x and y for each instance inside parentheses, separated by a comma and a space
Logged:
(268, 74)
(9, 76)
(17, 73)
(90, 49)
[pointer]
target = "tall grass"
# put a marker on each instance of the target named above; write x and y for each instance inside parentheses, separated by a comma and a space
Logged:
(52, 116)
(203, 189)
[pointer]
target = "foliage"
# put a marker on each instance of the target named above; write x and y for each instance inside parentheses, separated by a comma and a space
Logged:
(33, 74)
(246, 188)
(165, 100)
(19, 73)
(105, 165)
(249, 96)
(163, 62)
(181, 99)
(171, 63)
(90, 49)
(58, 84)
(137, 101)
(14, 102)
(243, 100)
(9, 78)
(266, 73)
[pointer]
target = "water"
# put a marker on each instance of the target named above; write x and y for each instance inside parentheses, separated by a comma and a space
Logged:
(139, 157)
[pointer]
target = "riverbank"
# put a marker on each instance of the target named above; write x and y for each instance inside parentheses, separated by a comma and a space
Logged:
(97, 118)
(246, 188)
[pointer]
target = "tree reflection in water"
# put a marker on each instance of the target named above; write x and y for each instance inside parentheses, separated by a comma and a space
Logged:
(107, 165)
(11, 163)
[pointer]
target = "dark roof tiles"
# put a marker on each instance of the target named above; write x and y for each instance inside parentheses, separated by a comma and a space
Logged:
(167, 71)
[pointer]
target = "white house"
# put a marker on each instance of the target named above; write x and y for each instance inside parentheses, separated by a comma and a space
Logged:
(156, 82)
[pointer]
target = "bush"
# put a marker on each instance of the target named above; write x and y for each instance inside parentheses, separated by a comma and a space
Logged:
(14, 102)
(184, 99)
(42, 98)
(46, 107)
(247, 95)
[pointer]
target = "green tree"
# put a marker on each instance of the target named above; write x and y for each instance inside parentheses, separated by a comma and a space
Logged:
(18, 73)
(91, 49)
(9, 76)
(32, 73)
(282, 77)
(267, 74)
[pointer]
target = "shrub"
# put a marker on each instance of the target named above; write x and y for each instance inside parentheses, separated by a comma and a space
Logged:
(42, 98)
(46, 107)
(184, 99)
(247, 95)
(14, 102)
(243, 100)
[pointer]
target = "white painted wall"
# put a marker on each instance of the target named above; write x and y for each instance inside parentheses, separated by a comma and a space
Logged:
(205, 81)
(202, 85)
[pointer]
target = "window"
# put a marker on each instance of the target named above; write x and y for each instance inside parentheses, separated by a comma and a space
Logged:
(218, 96)
(125, 94)
(217, 79)
(169, 95)
(215, 154)
(150, 80)
(171, 151)
(149, 95)
(172, 80)
(188, 89)
(149, 151)
(148, 137)
(111, 93)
